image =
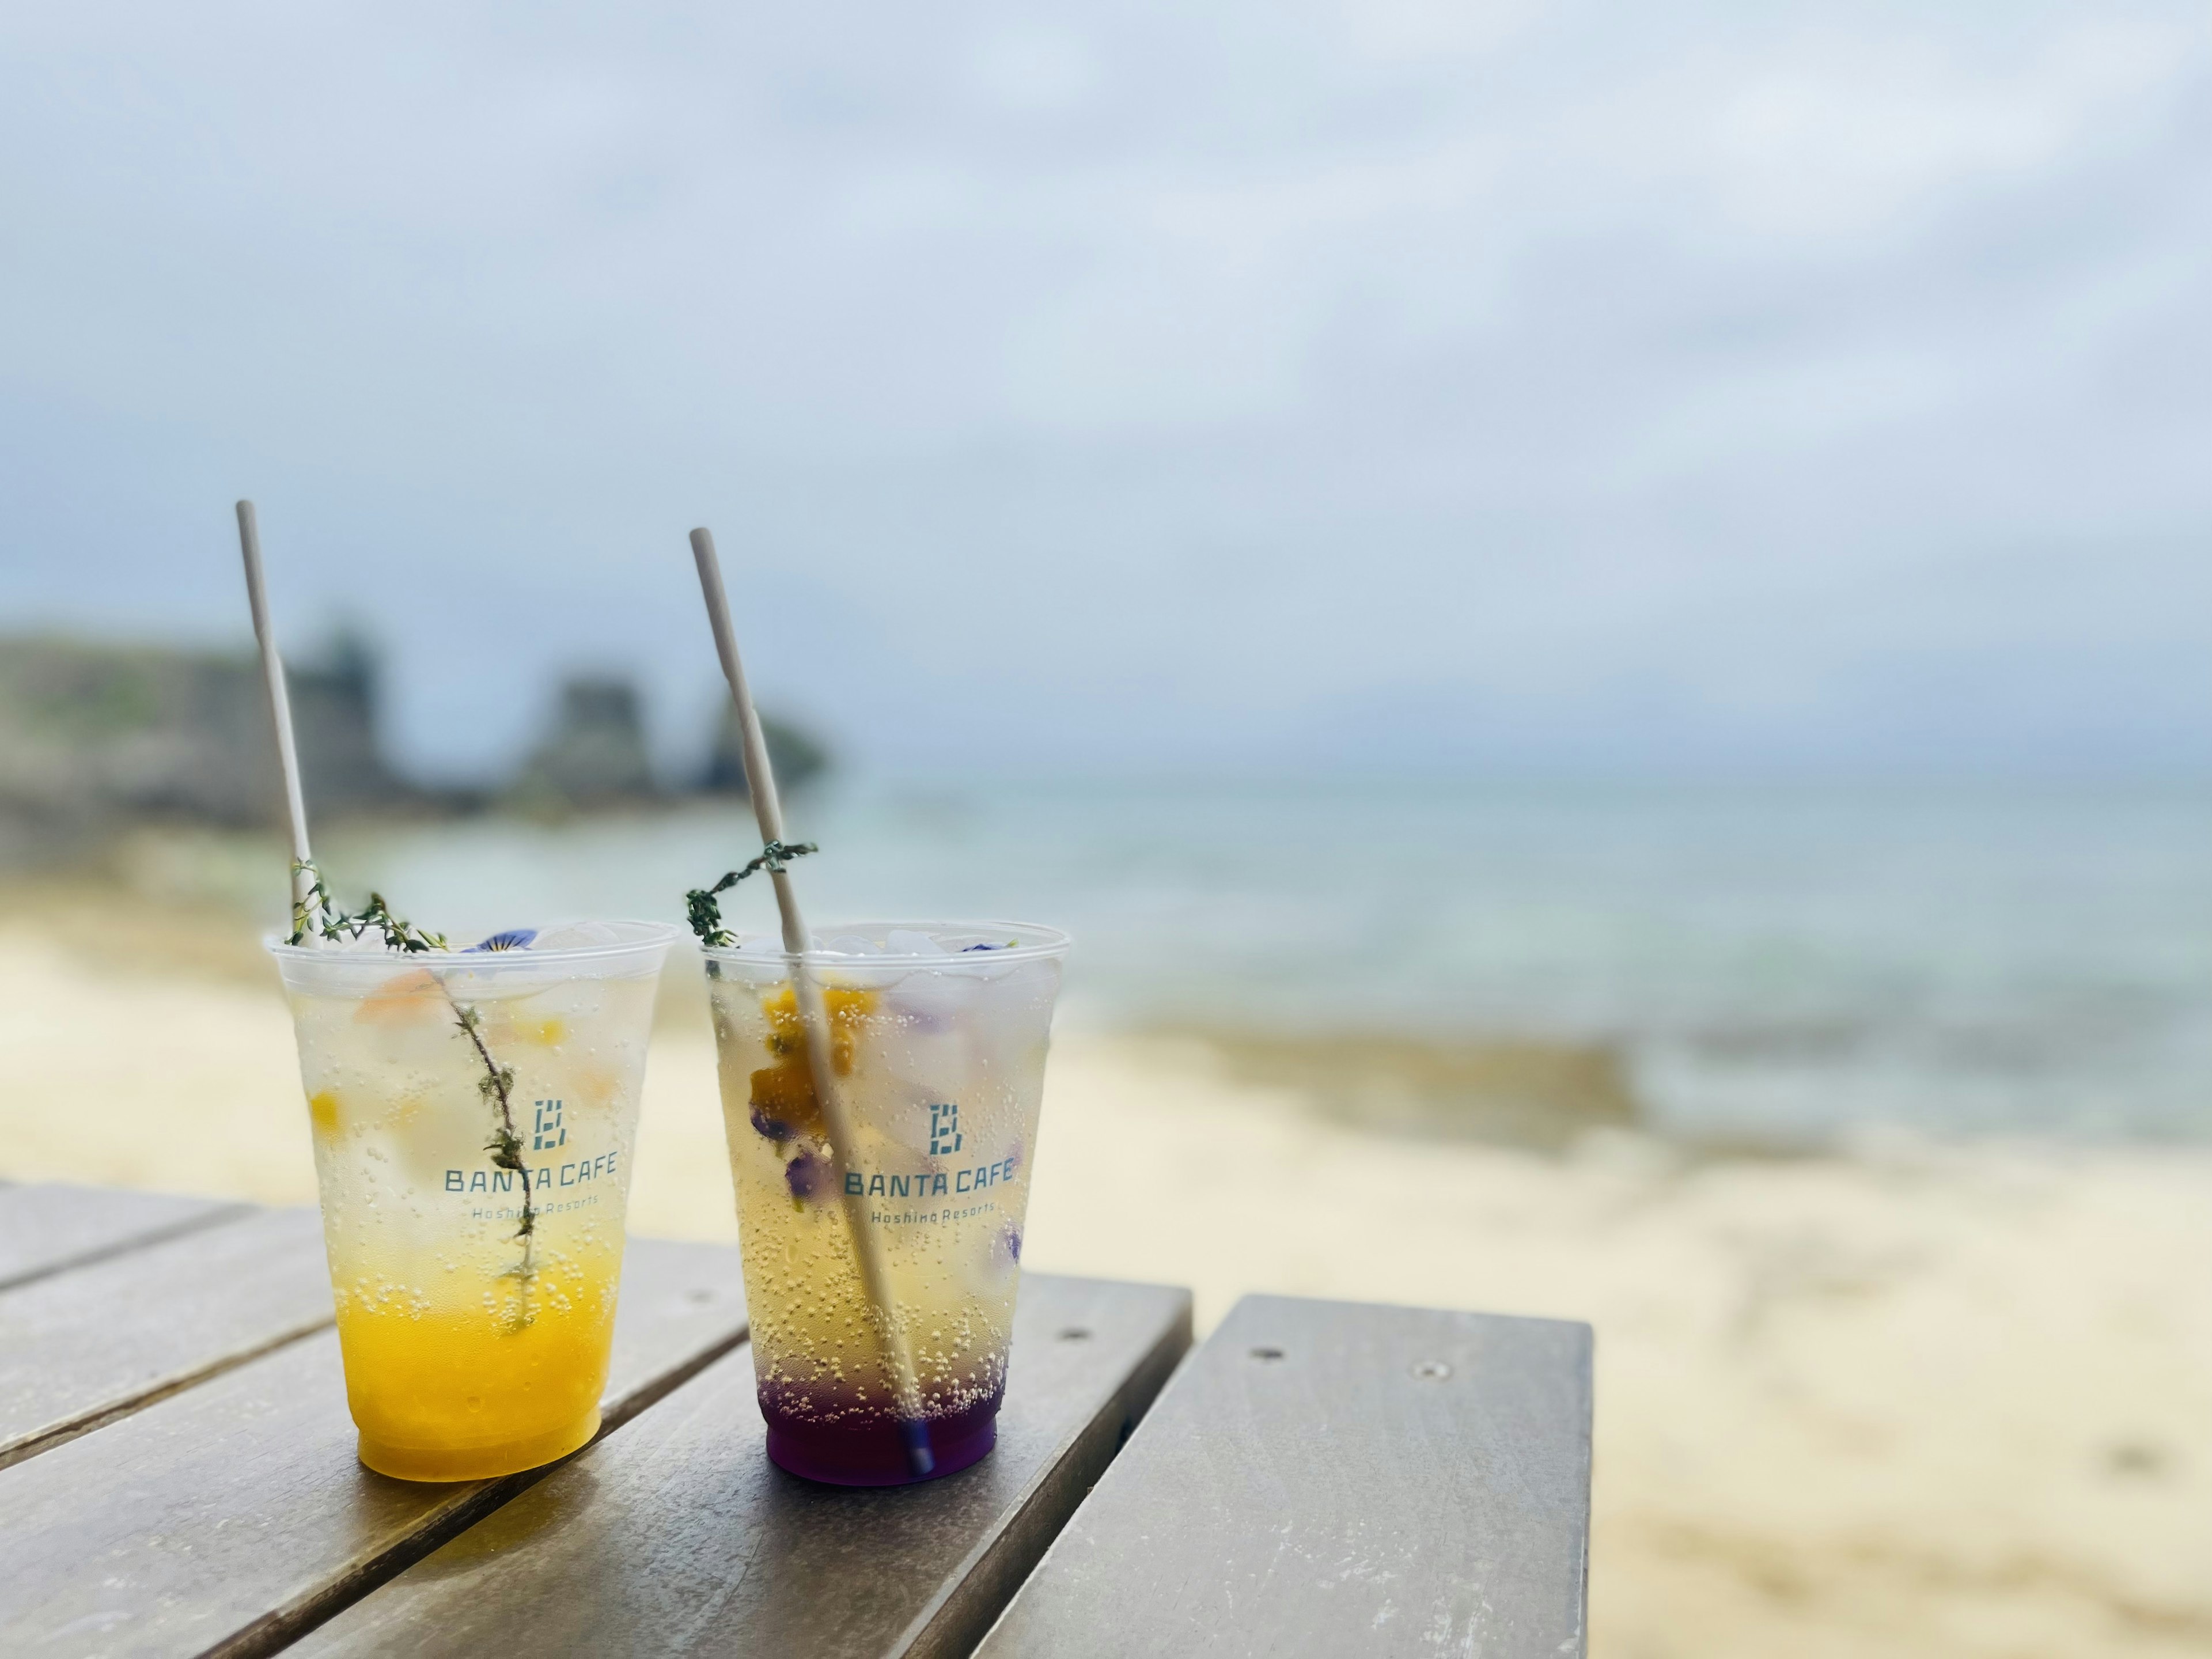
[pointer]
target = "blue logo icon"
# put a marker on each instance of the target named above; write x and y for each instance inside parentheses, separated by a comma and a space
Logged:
(944, 1129)
(548, 1131)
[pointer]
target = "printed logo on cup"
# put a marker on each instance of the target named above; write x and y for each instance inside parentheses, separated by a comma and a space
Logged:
(548, 1131)
(944, 1129)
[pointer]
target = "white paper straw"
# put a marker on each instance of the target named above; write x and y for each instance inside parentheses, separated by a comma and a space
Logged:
(280, 703)
(814, 1017)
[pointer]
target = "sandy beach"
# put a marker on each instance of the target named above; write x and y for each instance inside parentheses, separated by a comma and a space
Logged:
(1915, 1399)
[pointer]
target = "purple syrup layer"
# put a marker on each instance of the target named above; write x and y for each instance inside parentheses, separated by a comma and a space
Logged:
(869, 1451)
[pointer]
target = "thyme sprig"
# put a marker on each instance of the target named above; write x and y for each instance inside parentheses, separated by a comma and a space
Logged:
(703, 907)
(317, 913)
(496, 1085)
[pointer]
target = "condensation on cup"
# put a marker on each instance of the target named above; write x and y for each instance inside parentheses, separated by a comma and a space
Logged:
(938, 1034)
(474, 1114)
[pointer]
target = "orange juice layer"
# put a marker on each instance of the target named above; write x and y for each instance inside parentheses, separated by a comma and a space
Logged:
(461, 1395)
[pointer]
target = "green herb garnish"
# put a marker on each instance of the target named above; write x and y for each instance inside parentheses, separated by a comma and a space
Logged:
(317, 913)
(703, 908)
(496, 1085)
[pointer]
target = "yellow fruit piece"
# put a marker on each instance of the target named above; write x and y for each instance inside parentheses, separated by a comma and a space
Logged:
(404, 998)
(323, 1111)
(783, 1092)
(546, 1033)
(592, 1087)
(847, 1008)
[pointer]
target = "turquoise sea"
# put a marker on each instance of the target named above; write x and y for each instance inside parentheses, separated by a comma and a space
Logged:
(1778, 966)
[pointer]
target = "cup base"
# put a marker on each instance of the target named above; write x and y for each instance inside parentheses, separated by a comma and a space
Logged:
(477, 1462)
(879, 1459)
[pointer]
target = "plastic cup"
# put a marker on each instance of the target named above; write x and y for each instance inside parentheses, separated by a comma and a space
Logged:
(940, 1031)
(474, 1114)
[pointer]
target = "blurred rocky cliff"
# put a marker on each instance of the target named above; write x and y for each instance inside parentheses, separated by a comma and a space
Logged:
(796, 757)
(594, 753)
(96, 737)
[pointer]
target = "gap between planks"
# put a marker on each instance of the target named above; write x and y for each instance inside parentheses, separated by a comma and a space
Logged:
(242, 1553)
(99, 1253)
(62, 1434)
(290, 1276)
(279, 1628)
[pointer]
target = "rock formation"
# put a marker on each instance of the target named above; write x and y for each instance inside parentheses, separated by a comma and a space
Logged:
(796, 756)
(95, 735)
(595, 753)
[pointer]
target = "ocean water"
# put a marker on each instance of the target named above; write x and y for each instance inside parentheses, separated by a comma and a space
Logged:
(1779, 966)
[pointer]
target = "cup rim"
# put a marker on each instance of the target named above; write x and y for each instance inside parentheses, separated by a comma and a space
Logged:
(649, 935)
(1042, 943)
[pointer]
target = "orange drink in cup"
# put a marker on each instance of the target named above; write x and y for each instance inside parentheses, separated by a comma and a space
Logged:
(474, 1113)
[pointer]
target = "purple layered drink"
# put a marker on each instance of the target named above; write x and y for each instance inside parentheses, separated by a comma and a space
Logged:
(939, 1033)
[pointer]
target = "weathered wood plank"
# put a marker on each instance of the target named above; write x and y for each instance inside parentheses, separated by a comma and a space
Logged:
(1330, 1478)
(46, 1228)
(677, 1536)
(78, 1347)
(228, 1517)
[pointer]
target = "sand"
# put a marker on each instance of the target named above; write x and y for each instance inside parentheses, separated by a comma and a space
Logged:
(1913, 1401)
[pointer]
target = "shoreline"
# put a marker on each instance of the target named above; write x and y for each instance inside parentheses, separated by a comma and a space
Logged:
(1906, 1399)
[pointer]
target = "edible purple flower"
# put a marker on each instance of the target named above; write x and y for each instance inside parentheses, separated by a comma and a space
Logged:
(966, 948)
(804, 1175)
(514, 939)
(1011, 1237)
(773, 1128)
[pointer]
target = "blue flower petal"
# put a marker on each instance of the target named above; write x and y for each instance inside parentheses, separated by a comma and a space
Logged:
(966, 948)
(514, 938)
(806, 1176)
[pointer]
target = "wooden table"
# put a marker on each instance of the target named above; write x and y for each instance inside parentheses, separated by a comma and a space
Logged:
(177, 1476)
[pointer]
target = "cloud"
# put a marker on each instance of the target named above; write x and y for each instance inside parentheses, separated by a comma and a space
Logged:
(1086, 385)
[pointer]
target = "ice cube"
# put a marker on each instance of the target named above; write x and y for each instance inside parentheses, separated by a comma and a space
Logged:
(929, 1002)
(578, 935)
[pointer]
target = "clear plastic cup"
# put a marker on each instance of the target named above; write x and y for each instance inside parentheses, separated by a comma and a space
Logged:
(940, 1031)
(474, 1113)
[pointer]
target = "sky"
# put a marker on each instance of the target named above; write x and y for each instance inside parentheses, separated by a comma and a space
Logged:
(1452, 388)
